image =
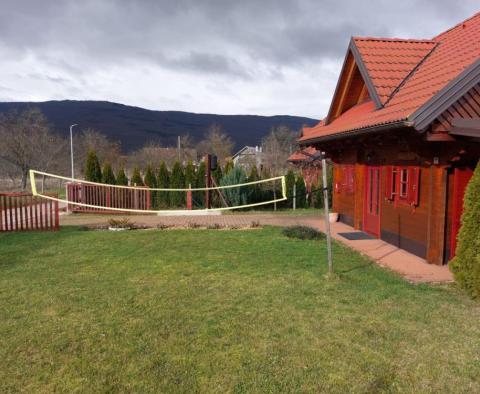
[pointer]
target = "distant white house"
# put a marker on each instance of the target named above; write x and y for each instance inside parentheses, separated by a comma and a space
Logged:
(248, 156)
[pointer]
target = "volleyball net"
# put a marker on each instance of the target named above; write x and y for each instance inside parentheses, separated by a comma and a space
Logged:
(95, 197)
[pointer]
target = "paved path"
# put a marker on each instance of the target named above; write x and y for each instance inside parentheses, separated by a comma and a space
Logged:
(411, 267)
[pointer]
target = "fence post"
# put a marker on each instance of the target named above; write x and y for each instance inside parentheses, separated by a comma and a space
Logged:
(189, 196)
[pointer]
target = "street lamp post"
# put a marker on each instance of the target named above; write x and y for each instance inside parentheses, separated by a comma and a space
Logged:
(71, 149)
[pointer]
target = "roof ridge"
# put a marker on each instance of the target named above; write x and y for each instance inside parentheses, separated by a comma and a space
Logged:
(477, 14)
(400, 85)
(390, 39)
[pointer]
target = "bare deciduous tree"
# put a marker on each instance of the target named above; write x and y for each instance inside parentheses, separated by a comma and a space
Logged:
(90, 139)
(26, 142)
(277, 146)
(216, 142)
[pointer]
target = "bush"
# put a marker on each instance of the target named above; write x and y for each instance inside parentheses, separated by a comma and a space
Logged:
(120, 223)
(466, 264)
(302, 232)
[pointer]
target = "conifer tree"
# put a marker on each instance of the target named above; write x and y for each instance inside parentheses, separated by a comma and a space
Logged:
(121, 177)
(301, 192)
(151, 181)
(93, 173)
(237, 195)
(256, 192)
(466, 264)
(107, 175)
(163, 181)
(136, 177)
(199, 196)
(177, 181)
(190, 177)
(228, 167)
(289, 182)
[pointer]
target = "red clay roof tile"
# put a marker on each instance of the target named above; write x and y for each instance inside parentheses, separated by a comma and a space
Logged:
(406, 74)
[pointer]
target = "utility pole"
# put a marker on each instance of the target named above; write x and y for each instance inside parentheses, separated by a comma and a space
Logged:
(71, 149)
(178, 149)
(327, 216)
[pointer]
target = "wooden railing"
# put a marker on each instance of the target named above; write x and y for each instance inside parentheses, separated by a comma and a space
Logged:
(25, 212)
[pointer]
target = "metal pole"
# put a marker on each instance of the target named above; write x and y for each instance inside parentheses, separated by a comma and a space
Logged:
(71, 149)
(295, 196)
(327, 219)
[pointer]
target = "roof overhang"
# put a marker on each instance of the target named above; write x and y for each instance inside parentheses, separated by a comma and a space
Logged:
(441, 101)
(358, 132)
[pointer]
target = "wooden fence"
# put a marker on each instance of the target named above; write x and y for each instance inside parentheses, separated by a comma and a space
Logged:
(106, 196)
(24, 212)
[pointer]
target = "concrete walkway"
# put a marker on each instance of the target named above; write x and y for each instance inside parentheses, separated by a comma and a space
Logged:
(413, 268)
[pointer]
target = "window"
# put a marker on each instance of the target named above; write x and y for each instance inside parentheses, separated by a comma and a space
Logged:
(403, 189)
(402, 184)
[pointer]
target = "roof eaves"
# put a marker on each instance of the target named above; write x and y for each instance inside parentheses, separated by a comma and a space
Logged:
(364, 72)
(358, 131)
(443, 99)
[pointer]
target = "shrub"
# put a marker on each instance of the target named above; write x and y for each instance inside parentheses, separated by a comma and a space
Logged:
(214, 226)
(255, 224)
(466, 264)
(120, 223)
(302, 232)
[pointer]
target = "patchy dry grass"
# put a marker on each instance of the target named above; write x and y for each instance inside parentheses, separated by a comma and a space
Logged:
(219, 311)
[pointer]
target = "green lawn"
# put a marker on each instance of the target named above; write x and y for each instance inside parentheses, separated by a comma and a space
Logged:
(222, 311)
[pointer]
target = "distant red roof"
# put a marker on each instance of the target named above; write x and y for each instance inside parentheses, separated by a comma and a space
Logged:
(406, 75)
(302, 155)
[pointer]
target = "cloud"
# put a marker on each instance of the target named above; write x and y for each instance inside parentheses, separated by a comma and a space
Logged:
(266, 57)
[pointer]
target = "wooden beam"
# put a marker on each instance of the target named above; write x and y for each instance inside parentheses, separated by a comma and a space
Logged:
(439, 137)
(437, 210)
(466, 127)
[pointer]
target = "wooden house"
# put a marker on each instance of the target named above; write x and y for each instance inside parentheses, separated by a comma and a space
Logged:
(403, 131)
(308, 162)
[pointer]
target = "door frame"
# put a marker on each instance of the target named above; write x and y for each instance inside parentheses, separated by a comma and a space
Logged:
(365, 200)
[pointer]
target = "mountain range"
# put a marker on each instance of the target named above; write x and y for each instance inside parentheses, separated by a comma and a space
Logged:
(133, 127)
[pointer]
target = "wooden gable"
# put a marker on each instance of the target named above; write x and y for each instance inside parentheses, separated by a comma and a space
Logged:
(351, 90)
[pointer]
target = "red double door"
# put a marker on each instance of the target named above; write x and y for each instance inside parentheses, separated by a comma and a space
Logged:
(371, 211)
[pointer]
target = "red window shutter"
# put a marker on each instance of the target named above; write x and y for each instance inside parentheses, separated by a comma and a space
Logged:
(389, 187)
(414, 185)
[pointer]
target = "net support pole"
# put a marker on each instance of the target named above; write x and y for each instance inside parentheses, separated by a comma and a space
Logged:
(295, 195)
(326, 212)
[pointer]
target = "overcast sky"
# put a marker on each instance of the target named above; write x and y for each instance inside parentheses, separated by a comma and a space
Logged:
(232, 57)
